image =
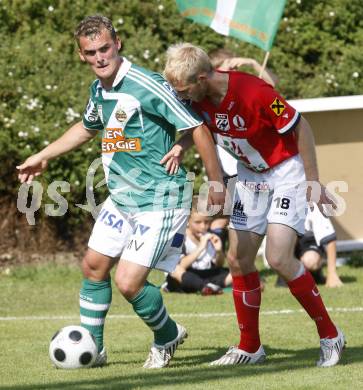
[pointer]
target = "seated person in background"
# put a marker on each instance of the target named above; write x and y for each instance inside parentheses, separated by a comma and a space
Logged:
(311, 255)
(323, 232)
(200, 267)
(318, 243)
(223, 59)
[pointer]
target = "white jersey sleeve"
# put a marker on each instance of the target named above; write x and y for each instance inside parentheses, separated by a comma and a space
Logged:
(320, 226)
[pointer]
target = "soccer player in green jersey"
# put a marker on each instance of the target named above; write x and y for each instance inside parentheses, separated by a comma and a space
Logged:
(143, 221)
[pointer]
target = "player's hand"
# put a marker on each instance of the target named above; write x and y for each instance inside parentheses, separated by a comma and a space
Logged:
(173, 159)
(236, 62)
(216, 241)
(333, 280)
(323, 198)
(203, 241)
(326, 198)
(32, 167)
(217, 198)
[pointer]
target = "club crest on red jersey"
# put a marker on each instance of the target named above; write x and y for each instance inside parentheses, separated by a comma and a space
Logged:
(222, 122)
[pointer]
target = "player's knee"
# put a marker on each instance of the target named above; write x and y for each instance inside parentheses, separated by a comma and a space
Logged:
(238, 264)
(311, 262)
(86, 269)
(92, 269)
(275, 262)
(233, 262)
(232, 259)
(127, 287)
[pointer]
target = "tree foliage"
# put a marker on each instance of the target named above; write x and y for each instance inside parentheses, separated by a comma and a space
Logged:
(44, 86)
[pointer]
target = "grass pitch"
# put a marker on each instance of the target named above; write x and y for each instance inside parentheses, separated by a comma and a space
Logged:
(36, 301)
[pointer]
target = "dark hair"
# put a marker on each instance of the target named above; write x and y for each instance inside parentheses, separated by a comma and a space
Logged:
(93, 26)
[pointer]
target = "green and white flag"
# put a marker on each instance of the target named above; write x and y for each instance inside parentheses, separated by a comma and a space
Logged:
(253, 21)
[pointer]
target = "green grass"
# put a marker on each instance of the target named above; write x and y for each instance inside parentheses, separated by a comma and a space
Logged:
(290, 339)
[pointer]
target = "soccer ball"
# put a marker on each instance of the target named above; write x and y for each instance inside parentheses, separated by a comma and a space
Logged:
(73, 347)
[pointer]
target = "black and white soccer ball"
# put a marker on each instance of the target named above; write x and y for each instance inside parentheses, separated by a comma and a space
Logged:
(73, 347)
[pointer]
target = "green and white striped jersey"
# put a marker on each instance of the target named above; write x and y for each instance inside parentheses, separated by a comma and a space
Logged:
(138, 118)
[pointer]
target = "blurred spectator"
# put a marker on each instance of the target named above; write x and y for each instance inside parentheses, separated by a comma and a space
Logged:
(317, 244)
(224, 59)
(201, 265)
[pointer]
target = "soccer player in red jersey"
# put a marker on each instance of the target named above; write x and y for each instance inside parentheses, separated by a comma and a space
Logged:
(275, 148)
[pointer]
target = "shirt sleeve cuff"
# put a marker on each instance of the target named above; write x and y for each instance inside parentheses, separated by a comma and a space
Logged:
(294, 121)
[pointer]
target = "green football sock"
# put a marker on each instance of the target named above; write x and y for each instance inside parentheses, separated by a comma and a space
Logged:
(148, 305)
(95, 300)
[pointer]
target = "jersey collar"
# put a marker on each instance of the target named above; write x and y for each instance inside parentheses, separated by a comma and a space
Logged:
(124, 68)
(121, 73)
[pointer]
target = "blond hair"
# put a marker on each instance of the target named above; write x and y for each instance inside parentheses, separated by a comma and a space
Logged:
(199, 206)
(184, 62)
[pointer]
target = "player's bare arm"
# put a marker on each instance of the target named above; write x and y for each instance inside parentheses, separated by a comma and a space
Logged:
(235, 62)
(206, 148)
(306, 146)
(332, 277)
(205, 145)
(34, 165)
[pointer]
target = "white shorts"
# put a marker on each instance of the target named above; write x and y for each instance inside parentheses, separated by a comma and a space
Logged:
(152, 238)
(276, 196)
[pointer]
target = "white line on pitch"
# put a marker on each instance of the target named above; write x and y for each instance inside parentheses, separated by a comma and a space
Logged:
(189, 315)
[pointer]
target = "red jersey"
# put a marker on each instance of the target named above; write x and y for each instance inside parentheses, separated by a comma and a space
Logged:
(252, 122)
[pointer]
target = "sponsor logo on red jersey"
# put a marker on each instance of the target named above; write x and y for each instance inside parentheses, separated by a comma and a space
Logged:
(239, 123)
(277, 107)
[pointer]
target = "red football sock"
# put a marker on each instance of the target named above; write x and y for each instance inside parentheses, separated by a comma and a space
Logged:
(305, 291)
(247, 300)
